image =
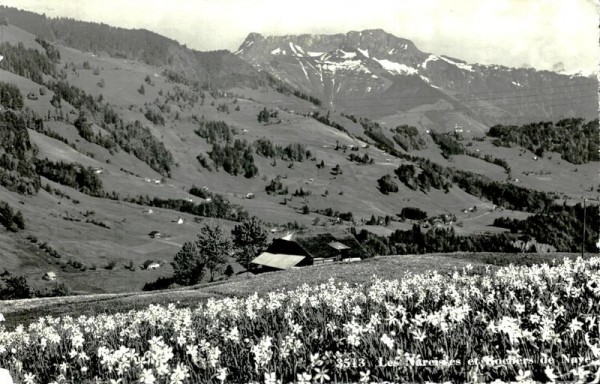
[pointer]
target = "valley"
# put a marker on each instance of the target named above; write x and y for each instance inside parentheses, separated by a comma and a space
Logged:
(119, 136)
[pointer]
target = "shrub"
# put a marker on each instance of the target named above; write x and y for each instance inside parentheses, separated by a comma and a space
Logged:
(387, 185)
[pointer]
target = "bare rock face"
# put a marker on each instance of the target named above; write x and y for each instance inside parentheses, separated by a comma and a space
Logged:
(374, 73)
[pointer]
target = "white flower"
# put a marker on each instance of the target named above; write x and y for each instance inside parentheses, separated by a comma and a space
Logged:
(522, 376)
(365, 376)
(179, 374)
(321, 375)
(270, 378)
(575, 325)
(385, 339)
(222, 375)
(29, 378)
(147, 377)
(550, 374)
(304, 378)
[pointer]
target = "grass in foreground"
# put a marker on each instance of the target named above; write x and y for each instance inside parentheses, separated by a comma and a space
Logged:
(536, 323)
(386, 267)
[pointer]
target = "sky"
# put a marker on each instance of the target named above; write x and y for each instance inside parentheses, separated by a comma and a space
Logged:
(537, 33)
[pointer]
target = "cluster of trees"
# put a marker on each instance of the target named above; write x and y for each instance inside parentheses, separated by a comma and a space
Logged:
(10, 96)
(284, 88)
(275, 187)
(506, 195)
(379, 220)
(218, 206)
(212, 246)
(84, 128)
(375, 132)
(154, 116)
(17, 287)
(576, 140)
(234, 159)
(408, 138)
(26, 62)
(387, 184)
(17, 171)
(291, 152)
(72, 175)
(215, 131)
(326, 120)
(51, 51)
(9, 219)
(265, 116)
(560, 226)
(364, 159)
(491, 159)
(301, 192)
(329, 212)
(413, 213)
(139, 141)
(415, 241)
(448, 144)
(431, 176)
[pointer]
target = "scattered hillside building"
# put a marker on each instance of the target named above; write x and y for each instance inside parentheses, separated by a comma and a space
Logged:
(50, 276)
(155, 234)
(180, 220)
(292, 251)
(148, 212)
(153, 266)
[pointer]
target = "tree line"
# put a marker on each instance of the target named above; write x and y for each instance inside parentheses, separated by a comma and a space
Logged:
(576, 140)
(11, 220)
(17, 170)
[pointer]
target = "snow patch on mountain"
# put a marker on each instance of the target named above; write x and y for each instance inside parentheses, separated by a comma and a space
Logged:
(315, 54)
(277, 51)
(517, 84)
(296, 50)
(466, 67)
(365, 52)
(400, 69)
(348, 55)
(249, 43)
(430, 58)
(348, 65)
(303, 68)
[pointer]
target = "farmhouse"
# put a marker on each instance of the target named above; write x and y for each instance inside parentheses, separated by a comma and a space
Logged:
(155, 235)
(50, 276)
(299, 251)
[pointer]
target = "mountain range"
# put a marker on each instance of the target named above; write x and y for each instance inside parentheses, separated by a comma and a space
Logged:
(376, 74)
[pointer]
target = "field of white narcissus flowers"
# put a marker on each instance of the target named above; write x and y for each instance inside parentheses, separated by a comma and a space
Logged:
(525, 324)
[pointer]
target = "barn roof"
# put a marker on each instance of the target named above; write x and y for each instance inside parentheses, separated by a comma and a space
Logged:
(338, 246)
(278, 260)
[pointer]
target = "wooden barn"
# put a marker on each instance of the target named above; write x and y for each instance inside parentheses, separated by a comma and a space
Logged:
(300, 251)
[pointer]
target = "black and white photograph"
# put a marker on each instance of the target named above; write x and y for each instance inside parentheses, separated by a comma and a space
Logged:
(299, 192)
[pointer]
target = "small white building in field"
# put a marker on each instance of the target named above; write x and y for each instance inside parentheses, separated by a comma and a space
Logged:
(153, 266)
(50, 276)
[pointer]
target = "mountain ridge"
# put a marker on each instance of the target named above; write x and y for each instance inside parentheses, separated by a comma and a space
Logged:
(358, 67)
